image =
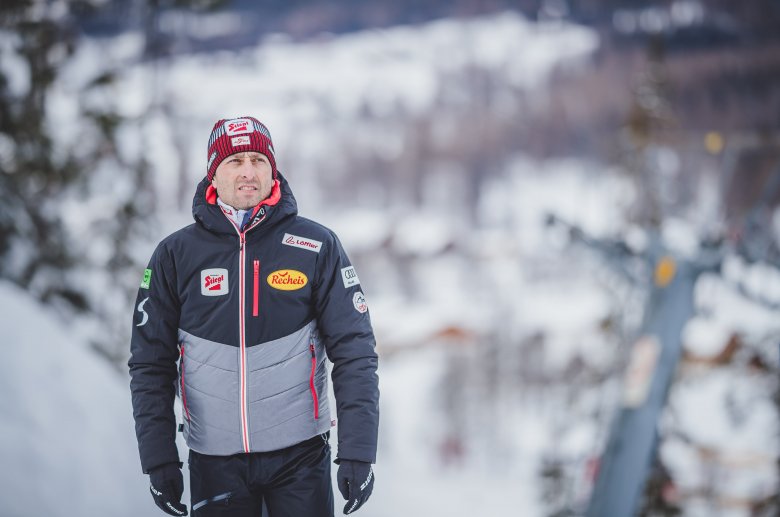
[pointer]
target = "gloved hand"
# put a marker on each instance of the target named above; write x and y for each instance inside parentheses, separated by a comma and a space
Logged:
(167, 485)
(356, 482)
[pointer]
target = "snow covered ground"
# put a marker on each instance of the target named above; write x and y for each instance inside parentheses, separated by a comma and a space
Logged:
(67, 445)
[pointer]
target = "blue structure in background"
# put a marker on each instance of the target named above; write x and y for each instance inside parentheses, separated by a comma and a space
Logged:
(629, 455)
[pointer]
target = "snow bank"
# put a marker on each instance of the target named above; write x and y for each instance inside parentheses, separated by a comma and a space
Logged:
(67, 445)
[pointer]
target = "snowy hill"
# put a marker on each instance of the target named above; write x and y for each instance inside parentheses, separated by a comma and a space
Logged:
(66, 433)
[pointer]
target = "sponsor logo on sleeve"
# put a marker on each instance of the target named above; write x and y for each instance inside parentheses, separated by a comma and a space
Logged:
(140, 309)
(147, 280)
(239, 140)
(349, 276)
(214, 282)
(287, 280)
(301, 242)
(238, 126)
(359, 301)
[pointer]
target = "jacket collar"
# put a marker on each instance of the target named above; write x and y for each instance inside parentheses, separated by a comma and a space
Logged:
(205, 210)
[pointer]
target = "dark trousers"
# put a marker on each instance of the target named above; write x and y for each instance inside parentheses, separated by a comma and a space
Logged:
(291, 482)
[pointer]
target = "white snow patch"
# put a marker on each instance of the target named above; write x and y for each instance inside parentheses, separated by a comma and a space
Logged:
(67, 444)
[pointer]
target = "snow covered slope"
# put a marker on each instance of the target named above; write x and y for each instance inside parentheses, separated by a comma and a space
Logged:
(67, 446)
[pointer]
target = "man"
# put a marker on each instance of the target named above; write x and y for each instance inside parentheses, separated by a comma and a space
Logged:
(237, 313)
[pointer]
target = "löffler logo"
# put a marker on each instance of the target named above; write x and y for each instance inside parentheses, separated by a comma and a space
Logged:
(301, 242)
(214, 282)
(287, 280)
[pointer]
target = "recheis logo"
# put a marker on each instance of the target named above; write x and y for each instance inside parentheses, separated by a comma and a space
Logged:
(214, 282)
(287, 280)
(238, 126)
(301, 242)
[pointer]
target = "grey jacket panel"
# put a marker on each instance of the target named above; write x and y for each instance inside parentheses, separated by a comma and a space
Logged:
(280, 400)
(209, 390)
(282, 409)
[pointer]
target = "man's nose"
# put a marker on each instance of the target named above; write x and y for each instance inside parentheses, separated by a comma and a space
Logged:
(246, 169)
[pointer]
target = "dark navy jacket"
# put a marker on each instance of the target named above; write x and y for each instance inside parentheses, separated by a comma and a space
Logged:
(239, 324)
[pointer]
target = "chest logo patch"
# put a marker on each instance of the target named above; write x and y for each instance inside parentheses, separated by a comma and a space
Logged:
(287, 280)
(214, 282)
(301, 242)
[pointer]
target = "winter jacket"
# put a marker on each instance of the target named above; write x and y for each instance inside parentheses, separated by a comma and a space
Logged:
(239, 323)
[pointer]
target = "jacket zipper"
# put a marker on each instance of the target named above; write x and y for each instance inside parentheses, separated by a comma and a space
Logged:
(311, 382)
(242, 338)
(256, 293)
(242, 327)
(183, 394)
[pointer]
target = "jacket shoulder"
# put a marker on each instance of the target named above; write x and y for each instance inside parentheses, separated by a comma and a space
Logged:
(180, 237)
(304, 227)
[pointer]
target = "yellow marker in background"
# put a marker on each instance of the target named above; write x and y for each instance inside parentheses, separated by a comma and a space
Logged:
(714, 142)
(664, 271)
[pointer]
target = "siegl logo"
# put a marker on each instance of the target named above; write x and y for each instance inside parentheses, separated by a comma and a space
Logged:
(214, 282)
(287, 280)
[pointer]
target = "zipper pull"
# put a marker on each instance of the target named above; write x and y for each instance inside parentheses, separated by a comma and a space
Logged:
(242, 240)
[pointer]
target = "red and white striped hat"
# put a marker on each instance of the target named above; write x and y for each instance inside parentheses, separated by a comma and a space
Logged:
(238, 135)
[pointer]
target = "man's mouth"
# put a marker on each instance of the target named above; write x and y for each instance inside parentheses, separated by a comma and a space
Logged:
(247, 187)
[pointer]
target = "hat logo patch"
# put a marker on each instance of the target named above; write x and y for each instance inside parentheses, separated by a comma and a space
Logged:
(239, 140)
(214, 282)
(287, 280)
(238, 126)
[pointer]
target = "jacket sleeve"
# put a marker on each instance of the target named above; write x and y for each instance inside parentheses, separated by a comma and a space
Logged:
(153, 362)
(345, 327)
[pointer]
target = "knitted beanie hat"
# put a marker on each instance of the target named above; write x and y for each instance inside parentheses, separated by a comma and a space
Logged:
(238, 135)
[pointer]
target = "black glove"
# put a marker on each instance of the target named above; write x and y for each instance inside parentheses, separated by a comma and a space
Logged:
(167, 485)
(356, 482)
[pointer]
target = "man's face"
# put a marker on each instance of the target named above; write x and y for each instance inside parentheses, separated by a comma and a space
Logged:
(243, 180)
